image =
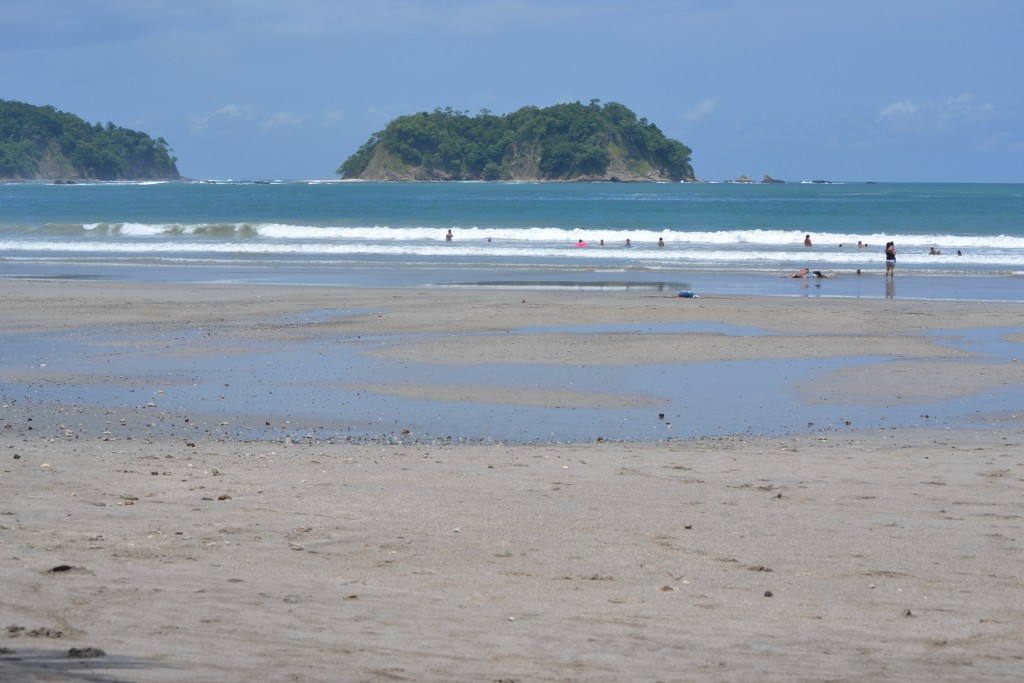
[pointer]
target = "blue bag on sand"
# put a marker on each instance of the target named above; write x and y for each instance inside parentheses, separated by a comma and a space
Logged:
(688, 295)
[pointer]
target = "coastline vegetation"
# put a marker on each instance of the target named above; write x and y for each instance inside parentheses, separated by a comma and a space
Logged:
(571, 141)
(43, 143)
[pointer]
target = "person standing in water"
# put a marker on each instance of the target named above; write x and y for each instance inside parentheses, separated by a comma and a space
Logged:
(890, 259)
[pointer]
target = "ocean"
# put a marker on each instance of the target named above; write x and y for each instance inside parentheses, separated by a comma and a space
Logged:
(719, 238)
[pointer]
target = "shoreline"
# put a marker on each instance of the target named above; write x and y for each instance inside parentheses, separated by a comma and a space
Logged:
(510, 366)
(871, 285)
(501, 365)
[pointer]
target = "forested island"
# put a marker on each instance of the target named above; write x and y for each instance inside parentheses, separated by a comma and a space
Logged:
(42, 143)
(564, 142)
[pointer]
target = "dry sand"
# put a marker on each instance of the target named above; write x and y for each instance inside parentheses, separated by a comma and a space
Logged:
(886, 555)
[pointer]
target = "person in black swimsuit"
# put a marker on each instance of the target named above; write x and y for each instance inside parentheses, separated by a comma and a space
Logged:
(890, 259)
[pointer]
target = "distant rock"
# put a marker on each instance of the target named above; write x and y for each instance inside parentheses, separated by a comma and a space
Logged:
(744, 179)
(769, 179)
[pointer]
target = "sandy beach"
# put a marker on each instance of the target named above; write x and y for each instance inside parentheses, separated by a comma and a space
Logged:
(190, 540)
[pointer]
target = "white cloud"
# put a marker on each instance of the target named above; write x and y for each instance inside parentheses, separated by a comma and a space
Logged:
(279, 120)
(954, 113)
(237, 114)
(962, 109)
(197, 124)
(898, 111)
(700, 111)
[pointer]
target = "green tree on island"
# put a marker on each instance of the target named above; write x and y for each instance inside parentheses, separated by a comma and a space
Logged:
(562, 142)
(44, 143)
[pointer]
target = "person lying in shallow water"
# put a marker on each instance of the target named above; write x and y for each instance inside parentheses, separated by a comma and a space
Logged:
(806, 272)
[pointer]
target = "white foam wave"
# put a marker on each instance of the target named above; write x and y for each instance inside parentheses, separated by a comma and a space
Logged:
(141, 230)
(556, 236)
(540, 235)
(141, 246)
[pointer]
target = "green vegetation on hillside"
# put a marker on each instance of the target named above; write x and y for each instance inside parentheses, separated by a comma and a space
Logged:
(44, 143)
(561, 142)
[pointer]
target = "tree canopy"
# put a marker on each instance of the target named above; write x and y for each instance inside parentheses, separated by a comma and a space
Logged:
(561, 142)
(42, 142)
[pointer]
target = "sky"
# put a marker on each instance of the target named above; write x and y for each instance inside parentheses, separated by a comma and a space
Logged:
(879, 90)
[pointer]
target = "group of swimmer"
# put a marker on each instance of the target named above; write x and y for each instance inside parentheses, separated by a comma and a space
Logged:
(579, 243)
(890, 259)
(890, 255)
(890, 262)
(807, 242)
(861, 245)
(629, 243)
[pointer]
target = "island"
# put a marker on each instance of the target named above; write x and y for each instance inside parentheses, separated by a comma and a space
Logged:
(565, 142)
(41, 143)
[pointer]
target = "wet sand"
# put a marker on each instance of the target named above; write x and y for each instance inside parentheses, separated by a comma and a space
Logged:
(184, 554)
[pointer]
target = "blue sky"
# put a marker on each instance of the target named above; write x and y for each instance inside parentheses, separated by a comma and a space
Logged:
(884, 90)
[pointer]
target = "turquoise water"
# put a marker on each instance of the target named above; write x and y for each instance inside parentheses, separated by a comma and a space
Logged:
(717, 236)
